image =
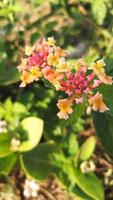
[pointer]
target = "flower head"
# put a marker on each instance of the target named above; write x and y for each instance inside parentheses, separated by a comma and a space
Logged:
(52, 76)
(62, 65)
(53, 59)
(97, 103)
(35, 73)
(99, 70)
(48, 61)
(65, 107)
(25, 78)
(98, 66)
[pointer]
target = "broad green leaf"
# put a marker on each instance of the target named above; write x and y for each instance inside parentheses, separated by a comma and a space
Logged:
(5, 144)
(8, 75)
(38, 163)
(33, 128)
(7, 163)
(104, 128)
(71, 177)
(87, 149)
(89, 184)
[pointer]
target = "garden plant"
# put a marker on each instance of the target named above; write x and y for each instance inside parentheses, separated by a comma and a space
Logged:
(56, 100)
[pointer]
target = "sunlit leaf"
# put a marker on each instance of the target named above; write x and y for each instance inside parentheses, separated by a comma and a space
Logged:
(33, 128)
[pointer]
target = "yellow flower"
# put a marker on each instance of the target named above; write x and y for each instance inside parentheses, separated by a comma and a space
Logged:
(36, 73)
(25, 78)
(62, 65)
(64, 106)
(98, 67)
(99, 70)
(97, 103)
(53, 59)
(28, 50)
(51, 41)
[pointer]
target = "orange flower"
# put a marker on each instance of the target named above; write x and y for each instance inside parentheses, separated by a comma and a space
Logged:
(53, 76)
(25, 78)
(97, 103)
(64, 106)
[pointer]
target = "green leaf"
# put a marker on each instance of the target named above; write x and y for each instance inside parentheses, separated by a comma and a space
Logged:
(2, 111)
(73, 144)
(89, 184)
(19, 109)
(8, 75)
(79, 193)
(8, 105)
(5, 144)
(87, 149)
(7, 163)
(99, 10)
(104, 128)
(33, 128)
(38, 163)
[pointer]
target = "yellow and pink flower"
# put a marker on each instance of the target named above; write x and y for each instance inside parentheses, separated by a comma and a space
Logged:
(48, 61)
(99, 71)
(52, 76)
(65, 107)
(97, 103)
(53, 59)
(26, 78)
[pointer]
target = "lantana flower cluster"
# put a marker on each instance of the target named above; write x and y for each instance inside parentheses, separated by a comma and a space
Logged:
(80, 83)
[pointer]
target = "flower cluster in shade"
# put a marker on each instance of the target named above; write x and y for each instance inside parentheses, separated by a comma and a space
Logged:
(79, 82)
